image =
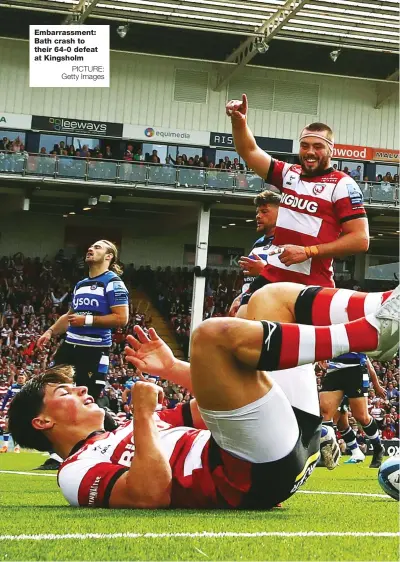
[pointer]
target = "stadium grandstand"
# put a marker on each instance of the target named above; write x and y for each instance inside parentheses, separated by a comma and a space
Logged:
(152, 164)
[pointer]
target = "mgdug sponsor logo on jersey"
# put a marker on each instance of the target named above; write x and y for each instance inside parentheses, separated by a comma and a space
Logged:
(299, 203)
(85, 301)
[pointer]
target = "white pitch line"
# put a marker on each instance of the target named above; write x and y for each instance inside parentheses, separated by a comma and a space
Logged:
(26, 473)
(363, 495)
(203, 534)
(360, 494)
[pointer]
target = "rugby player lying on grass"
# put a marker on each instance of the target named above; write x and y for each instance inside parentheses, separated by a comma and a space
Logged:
(261, 444)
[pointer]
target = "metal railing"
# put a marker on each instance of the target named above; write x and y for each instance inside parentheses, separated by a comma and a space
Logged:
(143, 173)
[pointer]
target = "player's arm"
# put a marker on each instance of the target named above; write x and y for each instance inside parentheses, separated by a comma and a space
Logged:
(59, 327)
(150, 354)
(244, 140)
(354, 240)
(117, 319)
(379, 390)
(147, 484)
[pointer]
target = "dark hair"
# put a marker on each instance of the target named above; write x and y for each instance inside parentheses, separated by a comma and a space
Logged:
(267, 197)
(114, 251)
(319, 128)
(28, 404)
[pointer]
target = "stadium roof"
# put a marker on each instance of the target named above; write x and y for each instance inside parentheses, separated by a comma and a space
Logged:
(361, 24)
(238, 31)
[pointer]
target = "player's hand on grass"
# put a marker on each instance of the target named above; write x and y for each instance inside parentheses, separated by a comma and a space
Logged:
(237, 109)
(252, 266)
(145, 398)
(149, 353)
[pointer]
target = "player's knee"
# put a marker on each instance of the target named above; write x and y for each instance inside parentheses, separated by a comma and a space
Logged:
(274, 302)
(363, 419)
(205, 333)
(214, 331)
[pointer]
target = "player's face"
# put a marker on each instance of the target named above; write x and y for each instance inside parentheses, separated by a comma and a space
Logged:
(314, 154)
(97, 253)
(70, 405)
(266, 217)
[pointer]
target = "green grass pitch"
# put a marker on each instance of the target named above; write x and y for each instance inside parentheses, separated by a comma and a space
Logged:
(33, 505)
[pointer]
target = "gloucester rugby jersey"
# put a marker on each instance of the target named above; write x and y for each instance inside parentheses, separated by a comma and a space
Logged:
(97, 296)
(203, 474)
(311, 212)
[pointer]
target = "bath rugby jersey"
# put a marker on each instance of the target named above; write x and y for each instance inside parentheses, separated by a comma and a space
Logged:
(97, 296)
(347, 360)
(311, 212)
(11, 393)
(204, 476)
(260, 248)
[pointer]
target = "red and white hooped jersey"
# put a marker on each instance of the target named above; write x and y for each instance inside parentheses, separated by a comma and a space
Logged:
(311, 212)
(87, 476)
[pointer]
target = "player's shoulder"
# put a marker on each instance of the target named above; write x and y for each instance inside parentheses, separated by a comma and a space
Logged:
(259, 242)
(291, 168)
(110, 276)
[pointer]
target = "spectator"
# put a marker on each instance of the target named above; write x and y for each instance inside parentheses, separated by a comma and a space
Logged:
(128, 154)
(138, 155)
(107, 153)
(155, 158)
(356, 174)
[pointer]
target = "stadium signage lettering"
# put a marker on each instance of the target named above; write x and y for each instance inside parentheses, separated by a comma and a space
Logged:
(351, 152)
(15, 121)
(391, 446)
(72, 126)
(269, 144)
(151, 133)
(221, 139)
(299, 203)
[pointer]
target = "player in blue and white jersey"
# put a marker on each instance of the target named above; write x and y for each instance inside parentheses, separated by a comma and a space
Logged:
(99, 304)
(12, 391)
(349, 375)
(267, 206)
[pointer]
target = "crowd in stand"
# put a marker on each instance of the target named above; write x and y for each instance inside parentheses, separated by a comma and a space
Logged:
(197, 161)
(133, 153)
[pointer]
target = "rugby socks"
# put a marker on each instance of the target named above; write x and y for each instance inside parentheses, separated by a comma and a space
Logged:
(6, 437)
(320, 306)
(372, 432)
(289, 345)
(349, 437)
